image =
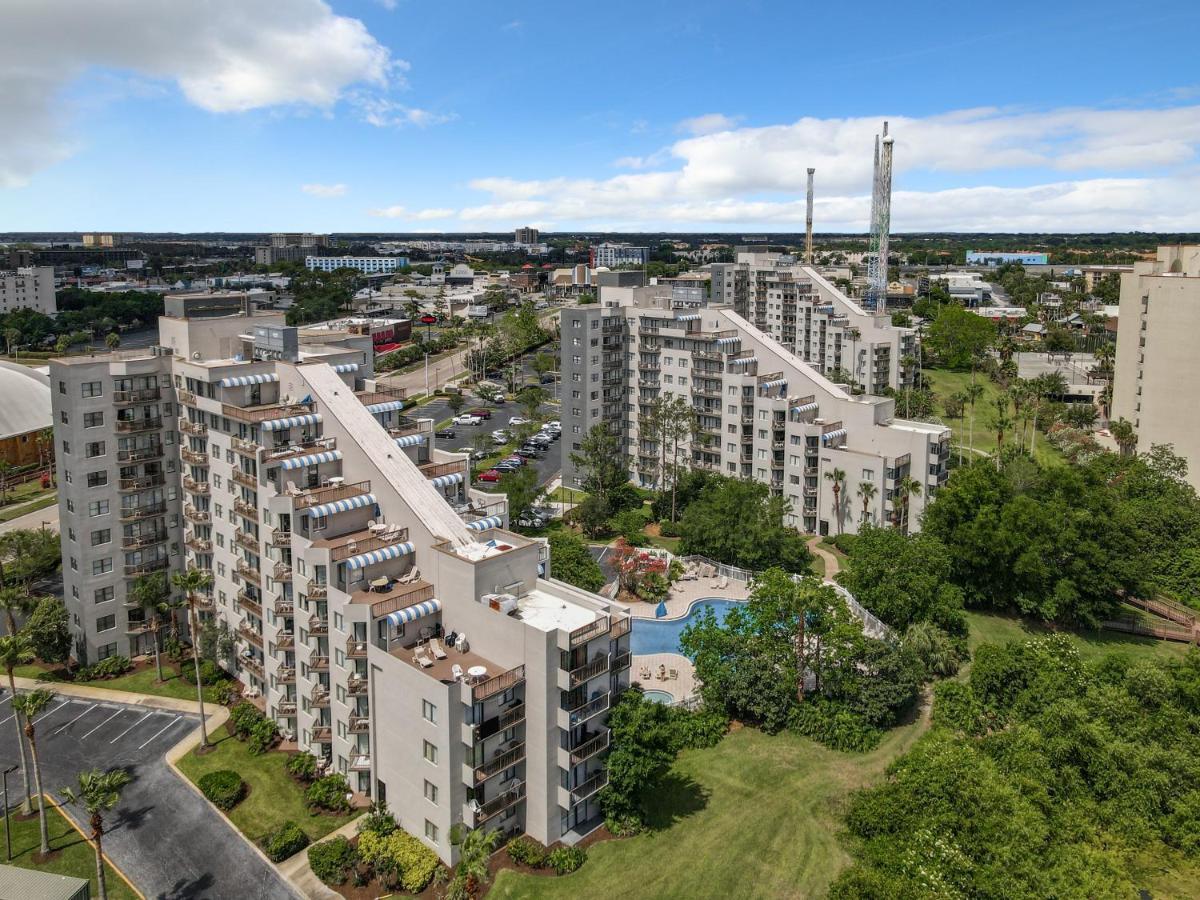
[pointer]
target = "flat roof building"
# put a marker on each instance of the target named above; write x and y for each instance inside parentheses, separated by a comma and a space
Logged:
(28, 288)
(1000, 258)
(368, 265)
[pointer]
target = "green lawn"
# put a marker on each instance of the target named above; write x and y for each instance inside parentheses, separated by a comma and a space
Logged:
(983, 436)
(755, 816)
(76, 856)
(14, 511)
(273, 797)
(998, 629)
(141, 682)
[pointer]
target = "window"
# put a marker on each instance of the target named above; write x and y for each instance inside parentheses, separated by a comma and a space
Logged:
(428, 712)
(93, 389)
(430, 751)
(101, 536)
(102, 566)
(93, 449)
(62, 415)
(106, 623)
(431, 831)
(62, 389)
(106, 650)
(66, 446)
(74, 564)
(97, 479)
(92, 419)
(431, 792)
(868, 474)
(70, 505)
(103, 595)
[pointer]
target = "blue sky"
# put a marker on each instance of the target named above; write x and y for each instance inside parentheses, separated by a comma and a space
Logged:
(403, 116)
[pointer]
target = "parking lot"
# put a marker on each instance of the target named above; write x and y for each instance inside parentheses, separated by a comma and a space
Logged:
(163, 836)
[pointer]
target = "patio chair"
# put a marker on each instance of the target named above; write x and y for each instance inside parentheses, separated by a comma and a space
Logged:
(673, 674)
(457, 671)
(722, 582)
(644, 672)
(436, 647)
(421, 659)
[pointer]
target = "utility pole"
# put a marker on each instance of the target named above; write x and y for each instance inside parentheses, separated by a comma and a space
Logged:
(7, 825)
(808, 222)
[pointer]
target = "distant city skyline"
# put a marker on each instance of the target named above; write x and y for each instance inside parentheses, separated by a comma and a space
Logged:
(389, 115)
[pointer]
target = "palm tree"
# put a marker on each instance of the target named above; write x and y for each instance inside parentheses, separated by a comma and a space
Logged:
(867, 492)
(193, 582)
(15, 651)
(837, 476)
(973, 392)
(1123, 433)
(98, 793)
(853, 334)
(908, 487)
(112, 341)
(931, 645)
(5, 468)
(14, 599)
(12, 336)
(473, 854)
(29, 705)
(1003, 423)
(150, 592)
(45, 442)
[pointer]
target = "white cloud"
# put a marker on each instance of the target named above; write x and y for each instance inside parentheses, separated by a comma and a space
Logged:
(384, 113)
(707, 123)
(324, 190)
(417, 215)
(1071, 169)
(223, 55)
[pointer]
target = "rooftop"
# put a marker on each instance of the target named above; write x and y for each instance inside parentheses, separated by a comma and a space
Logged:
(551, 612)
(443, 669)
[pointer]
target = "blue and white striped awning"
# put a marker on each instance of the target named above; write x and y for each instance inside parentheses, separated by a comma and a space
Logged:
(805, 408)
(243, 380)
(446, 480)
(416, 611)
(728, 342)
(410, 440)
(774, 383)
(743, 360)
(343, 368)
(395, 551)
(338, 506)
(485, 524)
(291, 422)
(377, 408)
(313, 459)
(690, 317)
(831, 436)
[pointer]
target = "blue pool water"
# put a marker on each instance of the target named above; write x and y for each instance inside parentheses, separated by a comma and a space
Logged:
(662, 635)
(660, 697)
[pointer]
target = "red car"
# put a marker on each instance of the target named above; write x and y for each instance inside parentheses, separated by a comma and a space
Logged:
(489, 475)
(481, 412)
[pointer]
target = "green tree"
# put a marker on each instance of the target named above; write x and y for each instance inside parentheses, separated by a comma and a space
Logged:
(48, 627)
(530, 398)
(194, 584)
(15, 651)
(957, 336)
(602, 466)
(474, 852)
(151, 593)
(908, 488)
(570, 561)
(12, 337)
(97, 792)
(28, 706)
(544, 363)
(522, 489)
(456, 402)
(1123, 433)
(972, 392)
(837, 478)
(643, 746)
(866, 492)
(739, 523)
(112, 340)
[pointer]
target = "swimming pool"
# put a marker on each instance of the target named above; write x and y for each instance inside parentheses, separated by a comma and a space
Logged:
(660, 697)
(662, 635)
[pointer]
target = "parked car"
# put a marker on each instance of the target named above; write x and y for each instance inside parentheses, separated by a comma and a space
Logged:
(555, 424)
(531, 521)
(472, 453)
(481, 412)
(504, 467)
(491, 475)
(519, 420)
(468, 419)
(514, 459)
(529, 453)
(445, 433)
(500, 434)
(547, 378)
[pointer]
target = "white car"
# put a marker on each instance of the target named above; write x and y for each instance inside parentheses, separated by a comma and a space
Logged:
(555, 424)
(467, 419)
(519, 420)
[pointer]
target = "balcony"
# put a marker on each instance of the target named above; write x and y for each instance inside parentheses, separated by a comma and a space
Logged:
(319, 663)
(317, 590)
(588, 632)
(318, 625)
(498, 683)
(253, 666)
(285, 642)
(282, 572)
(246, 600)
(330, 493)
(278, 538)
(198, 516)
(587, 709)
(286, 675)
(322, 734)
(359, 724)
(248, 572)
(251, 634)
(139, 626)
(185, 396)
(589, 787)
(245, 479)
(356, 649)
(141, 483)
(193, 457)
(360, 762)
(286, 707)
(246, 539)
(145, 568)
(198, 545)
(509, 717)
(319, 696)
(284, 608)
(621, 627)
(140, 454)
(621, 661)
(590, 670)
(264, 413)
(356, 685)
(242, 508)
(137, 541)
(133, 426)
(589, 748)
(244, 447)
(499, 763)
(195, 429)
(193, 486)
(492, 808)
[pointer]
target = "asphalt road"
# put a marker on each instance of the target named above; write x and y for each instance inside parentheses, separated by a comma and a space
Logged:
(171, 844)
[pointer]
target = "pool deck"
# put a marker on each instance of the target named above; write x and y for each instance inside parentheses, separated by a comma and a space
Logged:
(685, 593)
(680, 688)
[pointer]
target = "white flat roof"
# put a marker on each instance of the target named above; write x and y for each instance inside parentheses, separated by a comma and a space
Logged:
(549, 612)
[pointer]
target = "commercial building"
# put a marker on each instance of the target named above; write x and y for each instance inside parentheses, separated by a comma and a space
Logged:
(24, 414)
(101, 240)
(1156, 362)
(614, 255)
(967, 288)
(28, 288)
(368, 265)
(1000, 258)
(761, 411)
(806, 314)
(384, 615)
(525, 235)
(299, 239)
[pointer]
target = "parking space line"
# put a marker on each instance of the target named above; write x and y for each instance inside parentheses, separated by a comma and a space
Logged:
(105, 722)
(164, 728)
(131, 727)
(5, 720)
(50, 713)
(76, 719)
(7, 697)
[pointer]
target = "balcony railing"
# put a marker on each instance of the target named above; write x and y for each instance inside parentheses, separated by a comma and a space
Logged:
(360, 762)
(320, 663)
(330, 493)
(145, 568)
(317, 590)
(499, 763)
(499, 803)
(140, 454)
(248, 601)
(246, 539)
(245, 447)
(200, 516)
(279, 538)
(253, 665)
(589, 670)
(193, 486)
(286, 642)
(245, 478)
(263, 413)
(589, 708)
(590, 748)
(196, 429)
(359, 724)
(248, 572)
(508, 718)
(286, 674)
(141, 483)
(284, 607)
(136, 541)
(589, 787)
(185, 396)
(621, 661)
(318, 624)
(282, 572)
(242, 508)
(588, 632)
(498, 683)
(621, 627)
(319, 696)
(198, 545)
(286, 708)
(356, 685)
(193, 457)
(322, 734)
(356, 649)
(250, 634)
(146, 423)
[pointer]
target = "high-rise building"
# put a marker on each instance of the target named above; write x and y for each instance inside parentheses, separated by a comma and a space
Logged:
(28, 288)
(1156, 352)
(614, 255)
(299, 239)
(526, 235)
(101, 240)
(761, 411)
(384, 615)
(800, 309)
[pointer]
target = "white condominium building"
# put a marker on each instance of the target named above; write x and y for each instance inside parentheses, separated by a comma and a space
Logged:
(383, 614)
(1156, 352)
(28, 288)
(799, 308)
(368, 265)
(761, 412)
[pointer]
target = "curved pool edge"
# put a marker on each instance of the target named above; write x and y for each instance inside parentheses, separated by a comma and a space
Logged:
(687, 612)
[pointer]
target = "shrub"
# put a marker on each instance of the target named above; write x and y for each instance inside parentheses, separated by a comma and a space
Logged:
(624, 826)
(667, 528)
(263, 735)
(227, 693)
(398, 857)
(210, 672)
(332, 861)
(527, 852)
(564, 860)
(224, 788)
(302, 766)
(696, 730)
(328, 793)
(242, 719)
(106, 668)
(834, 726)
(844, 542)
(377, 820)
(286, 840)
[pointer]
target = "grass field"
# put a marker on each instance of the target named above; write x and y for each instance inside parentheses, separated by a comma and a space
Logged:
(16, 510)
(983, 436)
(76, 856)
(140, 682)
(273, 797)
(757, 815)
(998, 629)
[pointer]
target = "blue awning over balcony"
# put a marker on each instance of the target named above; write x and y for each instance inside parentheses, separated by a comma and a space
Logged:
(743, 361)
(390, 405)
(343, 368)
(830, 436)
(244, 380)
(395, 551)
(337, 506)
(313, 459)
(805, 408)
(774, 383)
(416, 611)
(485, 524)
(410, 440)
(291, 422)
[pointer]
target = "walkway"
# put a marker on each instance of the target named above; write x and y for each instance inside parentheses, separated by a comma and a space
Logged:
(832, 565)
(46, 517)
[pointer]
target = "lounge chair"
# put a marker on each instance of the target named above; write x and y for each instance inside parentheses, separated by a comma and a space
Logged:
(722, 583)
(673, 674)
(436, 647)
(421, 659)
(644, 672)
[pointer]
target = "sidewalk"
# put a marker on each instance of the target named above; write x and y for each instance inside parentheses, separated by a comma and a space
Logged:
(832, 565)
(300, 875)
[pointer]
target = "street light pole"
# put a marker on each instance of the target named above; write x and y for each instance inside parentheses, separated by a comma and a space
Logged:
(7, 828)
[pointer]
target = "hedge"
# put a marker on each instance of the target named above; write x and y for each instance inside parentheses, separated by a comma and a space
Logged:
(224, 788)
(417, 864)
(286, 840)
(333, 861)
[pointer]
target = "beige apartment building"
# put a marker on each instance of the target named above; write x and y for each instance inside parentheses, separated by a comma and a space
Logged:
(1156, 362)
(762, 412)
(383, 614)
